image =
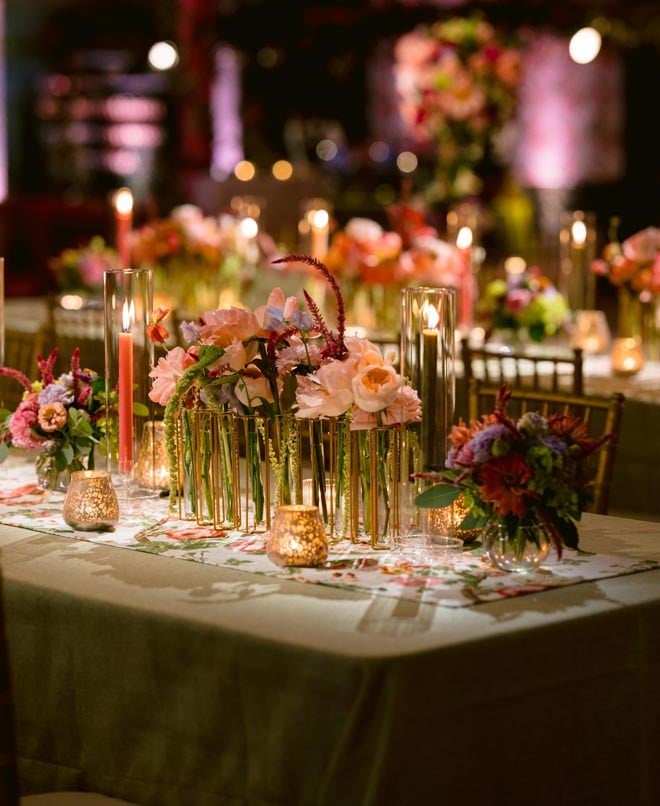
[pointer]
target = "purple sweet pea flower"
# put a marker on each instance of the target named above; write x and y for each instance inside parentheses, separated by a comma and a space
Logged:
(55, 393)
(189, 331)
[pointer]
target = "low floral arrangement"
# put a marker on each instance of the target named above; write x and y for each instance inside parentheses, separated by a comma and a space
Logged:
(373, 264)
(457, 83)
(535, 470)
(82, 269)
(196, 257)
(64, 419)
(529, 304)
(634, 263)
(279, 359)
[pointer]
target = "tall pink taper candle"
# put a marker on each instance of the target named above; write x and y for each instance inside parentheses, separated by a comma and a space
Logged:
(122, 202)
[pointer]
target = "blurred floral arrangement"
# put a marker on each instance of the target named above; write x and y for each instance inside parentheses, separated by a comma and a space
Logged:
(374, 264)
(526, 304)
(536, 470)
(82, 269)
(280, 359)
(457, 84)
(200, 260)
(634, 263)
(64, 419)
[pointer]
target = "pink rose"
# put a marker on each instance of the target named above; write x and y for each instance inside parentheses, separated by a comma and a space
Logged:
(406, 408)
(167, 373)
(375, 387)
(224, 326)
(327, 393)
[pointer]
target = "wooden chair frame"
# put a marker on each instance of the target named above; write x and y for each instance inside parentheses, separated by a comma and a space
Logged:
(521, 369)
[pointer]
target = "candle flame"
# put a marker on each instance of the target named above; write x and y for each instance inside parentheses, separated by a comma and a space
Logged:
(249, 227)
(122, 201)
(320, 219)
(430, 316)
(127, 316)
(464, 238)
(579, 233)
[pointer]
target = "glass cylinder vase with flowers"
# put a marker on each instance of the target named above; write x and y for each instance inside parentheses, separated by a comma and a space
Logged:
(525, 481)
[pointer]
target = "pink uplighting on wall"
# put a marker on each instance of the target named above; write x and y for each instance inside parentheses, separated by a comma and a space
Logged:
(570, 118)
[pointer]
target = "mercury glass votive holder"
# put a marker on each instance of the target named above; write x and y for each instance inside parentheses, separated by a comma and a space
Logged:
(297, 536)
(153, 465)
(91, 503)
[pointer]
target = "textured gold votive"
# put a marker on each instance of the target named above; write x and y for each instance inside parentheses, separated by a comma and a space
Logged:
(91, 502)
(297, 536)
(448, 519)
(153, 467)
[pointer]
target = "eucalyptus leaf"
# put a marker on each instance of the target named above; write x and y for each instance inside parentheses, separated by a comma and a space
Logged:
(438, 496)
(139, 409)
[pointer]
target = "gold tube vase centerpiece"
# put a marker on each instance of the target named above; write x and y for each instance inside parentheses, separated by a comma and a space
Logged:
(273, 407)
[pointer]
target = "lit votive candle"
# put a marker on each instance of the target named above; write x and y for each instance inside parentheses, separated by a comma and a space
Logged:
(297, 536)
(626, 356)
(91, 503)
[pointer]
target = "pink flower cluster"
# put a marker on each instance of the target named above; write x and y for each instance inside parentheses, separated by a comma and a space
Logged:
(634, 262)
(281, 358)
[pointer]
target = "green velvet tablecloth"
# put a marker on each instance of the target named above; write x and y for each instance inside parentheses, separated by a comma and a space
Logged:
(176, 684)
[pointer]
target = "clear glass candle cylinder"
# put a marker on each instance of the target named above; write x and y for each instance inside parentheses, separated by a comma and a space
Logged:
(129, 357)
(577, 251)
(428, 323)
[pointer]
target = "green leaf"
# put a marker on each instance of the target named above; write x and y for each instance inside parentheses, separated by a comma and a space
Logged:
(139, 409)
(4, 451)
(438, 496)
(569, 533)
(208, 353)
(473, 521)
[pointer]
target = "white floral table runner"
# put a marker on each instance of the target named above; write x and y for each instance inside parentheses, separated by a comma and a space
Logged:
(151, 528)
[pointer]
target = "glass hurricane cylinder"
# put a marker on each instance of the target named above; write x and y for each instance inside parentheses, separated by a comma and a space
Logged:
(428, 322)
(129, 357)
(577, 251)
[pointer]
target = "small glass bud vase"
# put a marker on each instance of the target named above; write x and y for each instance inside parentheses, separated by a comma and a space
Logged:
(522, 552)
(91, 503)
(297, 536)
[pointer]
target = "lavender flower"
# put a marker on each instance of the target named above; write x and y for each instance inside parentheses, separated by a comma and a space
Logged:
(533, 423)
(55, 393)
(483, 441)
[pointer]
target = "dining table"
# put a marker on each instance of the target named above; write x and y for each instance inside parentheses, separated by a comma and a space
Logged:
(171, 664)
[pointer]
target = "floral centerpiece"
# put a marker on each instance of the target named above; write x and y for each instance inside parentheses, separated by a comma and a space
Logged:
(200, 260)
(525, 304)
(534, 472)
(83, 269)
(280, 361)
(63, 419)
(457, 84)
(633, 266)
(374, 264)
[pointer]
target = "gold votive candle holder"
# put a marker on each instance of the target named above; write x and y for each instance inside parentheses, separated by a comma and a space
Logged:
(297, 536)
(91, 503)
(447, 521)
(627, 356)
(153, 466)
